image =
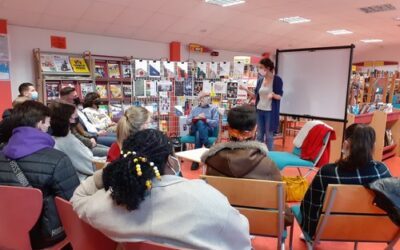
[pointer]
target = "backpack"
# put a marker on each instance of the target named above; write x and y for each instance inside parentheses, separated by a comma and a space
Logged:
(387, 196)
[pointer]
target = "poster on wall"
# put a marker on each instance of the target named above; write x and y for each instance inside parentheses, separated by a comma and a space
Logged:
(201, 70)
(220, 87)
(179, 88)
(4, 71)
(4, 49)
(212, 70)
(224, 69)
(232, 90)
(151, 88)
(154, 69)
(79, 65)
(242, 94)
(141, 68)
(238, 69)
(207, 87)
(164, 103)
(139, 87)
(197, 88)
(188, 87)
(169, 69)
(164, 86)
(182, 69)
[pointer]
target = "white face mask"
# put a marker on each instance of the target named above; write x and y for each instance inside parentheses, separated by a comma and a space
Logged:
(262, 72)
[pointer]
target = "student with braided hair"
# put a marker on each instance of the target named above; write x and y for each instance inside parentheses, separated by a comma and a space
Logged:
(140, 197)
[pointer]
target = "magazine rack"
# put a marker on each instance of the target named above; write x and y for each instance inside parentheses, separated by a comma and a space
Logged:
(55, 71)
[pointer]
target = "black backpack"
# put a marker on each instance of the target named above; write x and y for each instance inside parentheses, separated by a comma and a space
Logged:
(387, 196)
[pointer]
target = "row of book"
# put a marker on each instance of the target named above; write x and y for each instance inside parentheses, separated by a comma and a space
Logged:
(147, 88)
(63, 64)
(200, 70)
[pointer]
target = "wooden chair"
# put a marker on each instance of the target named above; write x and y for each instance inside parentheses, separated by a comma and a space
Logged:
(20, 208)
(80, 234)
(348, 214)
(261, 201)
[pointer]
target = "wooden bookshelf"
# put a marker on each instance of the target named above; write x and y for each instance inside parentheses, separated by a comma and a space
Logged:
(381, 121)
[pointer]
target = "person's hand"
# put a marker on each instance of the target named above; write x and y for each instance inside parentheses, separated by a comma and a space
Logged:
(102, 132)
(242, 87)
(271, 95)
(93, 141)
(201, 116)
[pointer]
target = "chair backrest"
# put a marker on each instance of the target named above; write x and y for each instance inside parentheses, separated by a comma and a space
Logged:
(80, 234)
(20, 208)
(261, 201)
(145, 245)
(349, 215)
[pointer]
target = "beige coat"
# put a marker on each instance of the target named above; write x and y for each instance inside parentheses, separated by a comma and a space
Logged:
(179, 212)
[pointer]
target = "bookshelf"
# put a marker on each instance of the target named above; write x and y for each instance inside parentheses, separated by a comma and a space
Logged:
(55, 71)
(113, 82)
(381, 121)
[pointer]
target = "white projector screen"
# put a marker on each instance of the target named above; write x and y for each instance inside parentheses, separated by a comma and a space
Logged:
(315, 81)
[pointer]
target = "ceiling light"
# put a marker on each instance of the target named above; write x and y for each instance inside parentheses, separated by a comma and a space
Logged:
(225, 3)
(372, 40)
(294, 19)
(339, 32)
(378, 8)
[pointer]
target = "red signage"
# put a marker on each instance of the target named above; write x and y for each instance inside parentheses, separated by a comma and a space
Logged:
(58, 42)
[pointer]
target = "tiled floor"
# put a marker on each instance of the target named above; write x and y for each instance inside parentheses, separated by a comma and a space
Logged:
(264, 243)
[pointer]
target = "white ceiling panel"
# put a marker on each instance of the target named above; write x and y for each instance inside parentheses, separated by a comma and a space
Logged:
(249, 27)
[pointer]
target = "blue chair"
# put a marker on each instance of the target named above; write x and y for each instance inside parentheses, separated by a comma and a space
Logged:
(190, 139)
(287, 159)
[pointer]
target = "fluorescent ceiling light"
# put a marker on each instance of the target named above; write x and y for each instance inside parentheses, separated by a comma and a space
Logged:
(225, 3)
(294, 19)
(339, 32)
(372, 40)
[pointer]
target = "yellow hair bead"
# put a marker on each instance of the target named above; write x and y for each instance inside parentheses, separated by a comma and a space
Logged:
(148, 184)
(135, 160)
(157, 173)
(151, 164)
(138, 170)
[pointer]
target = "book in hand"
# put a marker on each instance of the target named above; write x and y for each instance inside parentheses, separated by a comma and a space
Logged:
(196, 119)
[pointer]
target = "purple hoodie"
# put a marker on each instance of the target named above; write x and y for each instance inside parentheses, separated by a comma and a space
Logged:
(26, 141)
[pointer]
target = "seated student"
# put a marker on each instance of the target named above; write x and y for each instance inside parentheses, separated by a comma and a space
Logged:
(356, 167)
(69, 95)
(62, 116)
(203, 120)
(44, 167)
(95, 115)
(139, 197)
(242, 156)
(27, 89)
(6, 125)
(133, 120)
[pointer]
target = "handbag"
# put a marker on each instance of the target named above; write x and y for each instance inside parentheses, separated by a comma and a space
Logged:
(48, 229)
(296, 187)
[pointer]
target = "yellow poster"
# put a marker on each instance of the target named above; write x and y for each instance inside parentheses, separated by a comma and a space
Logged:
(79, 65)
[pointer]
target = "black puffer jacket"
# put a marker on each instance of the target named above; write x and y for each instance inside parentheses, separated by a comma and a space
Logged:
(47, 169)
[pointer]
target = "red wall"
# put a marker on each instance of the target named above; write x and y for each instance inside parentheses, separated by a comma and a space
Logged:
(5, 86)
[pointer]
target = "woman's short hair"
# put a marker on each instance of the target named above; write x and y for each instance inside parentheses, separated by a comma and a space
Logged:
(242, 118)
(147, 148)
(131, 122)
(267, 63)
(361, 138)
(60, 115)
(29, 113)
(90, 99)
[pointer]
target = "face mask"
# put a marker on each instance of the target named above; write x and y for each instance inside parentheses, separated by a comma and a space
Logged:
(35, 95)
(174, 165)
(152, 125)
(262, 72)
(77, 101)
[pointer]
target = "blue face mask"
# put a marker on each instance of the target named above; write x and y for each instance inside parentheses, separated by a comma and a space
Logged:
(35, 95)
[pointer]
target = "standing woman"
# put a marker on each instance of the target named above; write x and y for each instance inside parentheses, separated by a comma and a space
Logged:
(268, 94)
